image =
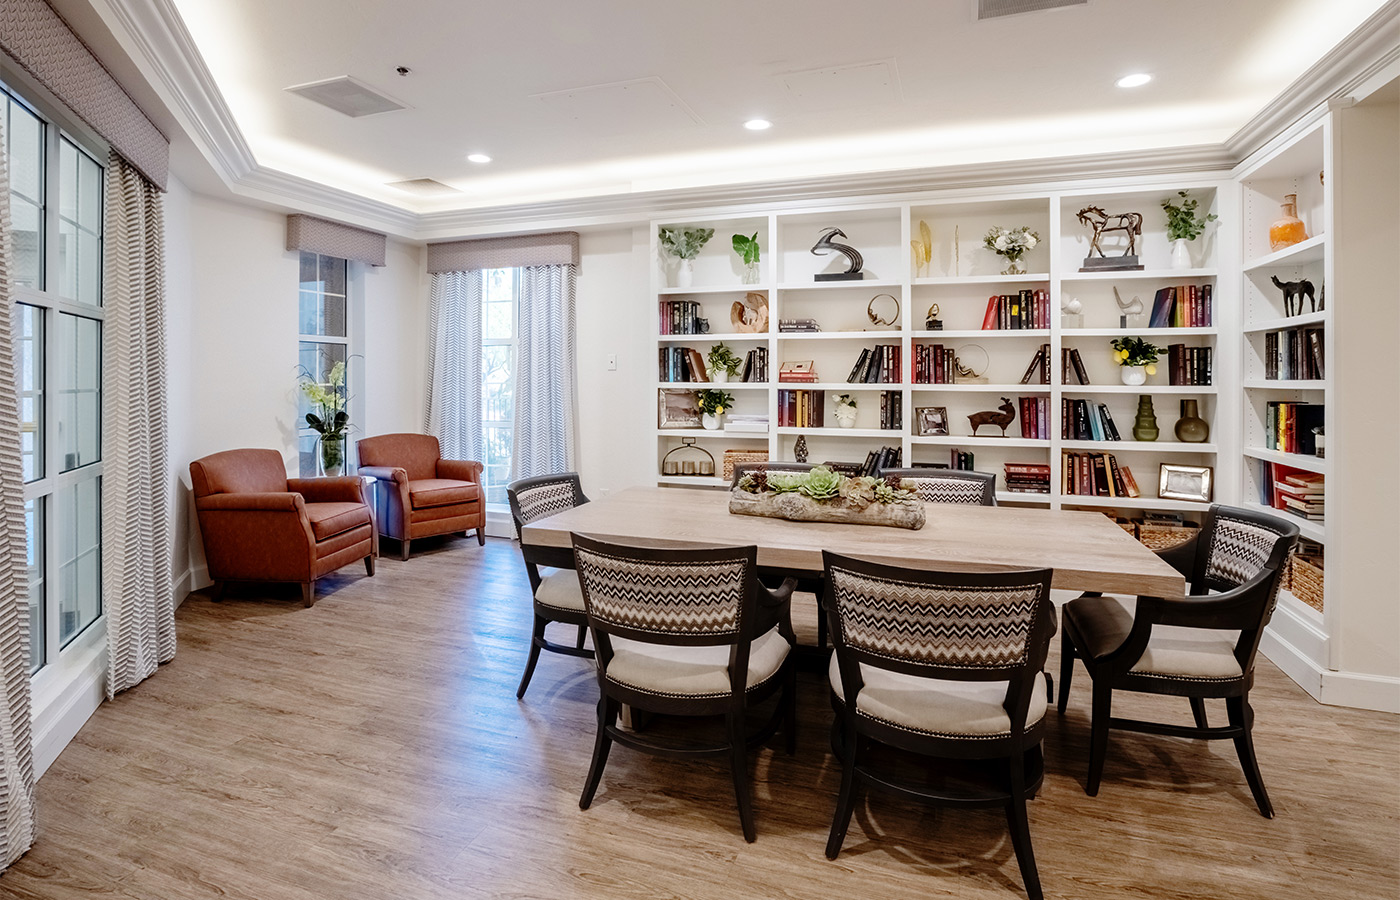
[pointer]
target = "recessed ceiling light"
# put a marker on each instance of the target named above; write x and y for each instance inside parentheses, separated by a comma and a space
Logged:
(1137, 80)
(758, 124)
(478, 158)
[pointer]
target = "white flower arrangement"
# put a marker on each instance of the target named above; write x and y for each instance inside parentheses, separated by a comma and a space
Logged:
(1012, 243)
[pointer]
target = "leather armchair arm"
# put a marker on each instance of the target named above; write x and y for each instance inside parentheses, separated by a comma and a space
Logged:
(328, 490)
(257, 536)
(391, 499)
(459, 470)
(385, 473)
(282, 501)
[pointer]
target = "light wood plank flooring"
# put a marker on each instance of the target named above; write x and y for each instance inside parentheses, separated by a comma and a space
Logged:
(372, 747)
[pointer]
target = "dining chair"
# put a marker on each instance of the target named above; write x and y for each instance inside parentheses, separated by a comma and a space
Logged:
(948, 667)
(948, 485)
(553, 584)
(1200, 646)
(687, 633)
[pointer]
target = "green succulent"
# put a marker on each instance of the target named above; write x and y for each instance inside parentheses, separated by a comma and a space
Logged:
(785, 482)
(821, 483)
(885, 493)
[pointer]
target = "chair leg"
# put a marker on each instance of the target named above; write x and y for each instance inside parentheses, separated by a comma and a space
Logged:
(308, 592)
(739, 769)
(1019, 823)
(481, 535)
(369, 565)
(790, 715)
(1198, 712)
(1242, 716)
(403, 548)
(846, 799)
(821, 626)
(582, 635)
(536, 640)
(1066, 668)
(1098, 735)
(607, 710)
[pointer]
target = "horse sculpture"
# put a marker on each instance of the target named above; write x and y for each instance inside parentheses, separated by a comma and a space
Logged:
(1001, 419)
(1128, 223)
(825, 245)
(1295, 291)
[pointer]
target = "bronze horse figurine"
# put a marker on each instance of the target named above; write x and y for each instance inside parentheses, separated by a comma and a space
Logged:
(1128, 223)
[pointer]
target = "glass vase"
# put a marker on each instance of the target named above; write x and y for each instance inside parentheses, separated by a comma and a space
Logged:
(1288, 230)
(752, 274)
(1014, 266)
(332, 454)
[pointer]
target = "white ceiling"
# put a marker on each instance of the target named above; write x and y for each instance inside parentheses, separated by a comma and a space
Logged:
(852, 87)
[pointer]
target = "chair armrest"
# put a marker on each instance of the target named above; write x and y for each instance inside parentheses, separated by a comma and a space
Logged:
(282, 501)
(459, 470)
(385, 473)
(1206, 610)
(778, 596)
(328, 490)
(1182, 557)
(775, 608)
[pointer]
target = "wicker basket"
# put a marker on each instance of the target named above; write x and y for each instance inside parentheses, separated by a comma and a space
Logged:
(1305, 579)
(1164, 537)
(1127, 525)
(733, 457)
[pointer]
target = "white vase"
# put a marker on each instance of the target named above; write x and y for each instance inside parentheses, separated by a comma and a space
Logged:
(685, 273)
(710, 421)
(1133, 375)
(1181, 254)
(846, 421)
(719, 376)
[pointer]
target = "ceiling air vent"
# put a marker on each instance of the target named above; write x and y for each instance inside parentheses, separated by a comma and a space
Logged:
(348, 96)
(424, 187)
(995, 9)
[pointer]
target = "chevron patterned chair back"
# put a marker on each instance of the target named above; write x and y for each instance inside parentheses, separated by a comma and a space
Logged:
(543, 496)
(948, 485)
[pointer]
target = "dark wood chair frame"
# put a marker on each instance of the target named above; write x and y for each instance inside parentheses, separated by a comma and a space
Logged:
(549, 557)
(1246, 607)
(761, 610)
(986, 480)
(1021, 748)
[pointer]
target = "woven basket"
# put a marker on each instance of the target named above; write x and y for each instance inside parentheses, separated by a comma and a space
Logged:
(1305, 579)
(733, 457)
(1127, 525)
(1165, 537)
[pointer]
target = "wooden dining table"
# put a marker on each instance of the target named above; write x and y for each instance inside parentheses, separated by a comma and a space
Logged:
(1086, 550)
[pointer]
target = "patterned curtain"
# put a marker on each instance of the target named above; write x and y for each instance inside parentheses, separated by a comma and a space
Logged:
(453, 413)
(545, 386)
(16, 738)
(136, 520)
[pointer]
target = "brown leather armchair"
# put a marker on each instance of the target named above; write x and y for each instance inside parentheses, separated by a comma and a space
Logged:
(260, 525)
(420, 494)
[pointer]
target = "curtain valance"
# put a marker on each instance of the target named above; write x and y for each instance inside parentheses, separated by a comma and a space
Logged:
(557, 248)
(334, 239)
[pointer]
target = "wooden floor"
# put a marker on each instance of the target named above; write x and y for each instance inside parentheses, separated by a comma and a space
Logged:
(372, 747)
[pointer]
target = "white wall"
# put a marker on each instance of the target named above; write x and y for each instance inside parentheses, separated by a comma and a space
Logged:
(396, 342)
(180, 385)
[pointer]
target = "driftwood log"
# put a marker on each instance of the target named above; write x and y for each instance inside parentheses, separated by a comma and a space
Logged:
(799, 508)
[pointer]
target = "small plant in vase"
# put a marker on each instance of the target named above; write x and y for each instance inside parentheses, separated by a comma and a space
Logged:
(1012, 243)
(1184, 226)
(1136, 359)
(712, 404)
(723, 363)
(747, 248)
(683, 244)
(846, 411)
(331, 420)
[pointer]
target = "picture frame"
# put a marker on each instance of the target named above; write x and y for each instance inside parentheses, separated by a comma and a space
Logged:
(1185, 482)
(676, 409)
(931, 421)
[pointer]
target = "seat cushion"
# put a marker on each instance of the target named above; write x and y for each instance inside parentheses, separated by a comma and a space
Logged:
(330, 519)
(691, 671)
(935, 706)
(429, 492)
(560, 589)
(1172, 651)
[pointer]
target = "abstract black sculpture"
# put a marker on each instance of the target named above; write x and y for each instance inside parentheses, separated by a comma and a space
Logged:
(825, 245)
(1295, 291)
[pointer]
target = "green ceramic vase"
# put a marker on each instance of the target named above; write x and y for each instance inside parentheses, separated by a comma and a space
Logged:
(1145, 425)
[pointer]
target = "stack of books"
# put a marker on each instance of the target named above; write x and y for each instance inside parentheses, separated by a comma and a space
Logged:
(797, 326)
(1027, 478)
(682, 364)
(1071, 363)
(680, 317)
(879, 460)
(961, 459)
(1095, 475)
(1040, 367)
(1299, 493)
(748, 424)
(800, 371)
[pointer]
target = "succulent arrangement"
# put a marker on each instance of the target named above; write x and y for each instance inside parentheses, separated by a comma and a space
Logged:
(823, 484)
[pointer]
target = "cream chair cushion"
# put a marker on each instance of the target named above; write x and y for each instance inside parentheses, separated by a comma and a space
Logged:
(560, 589)
(1173, 651)
(691, 671)
(935, 706)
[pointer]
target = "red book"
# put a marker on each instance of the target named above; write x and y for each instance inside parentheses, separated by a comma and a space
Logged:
(989, 321)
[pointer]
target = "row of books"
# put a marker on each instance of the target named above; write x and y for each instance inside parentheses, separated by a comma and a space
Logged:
(1027, 478)
(1040, 366)
(933, 364)
(1035, 417)
(682, 364)
(891, 410)
(798, 326)
(1293, 491)
(1017, 312)
(1085, 420)
(1071, 365)
(755, 368)
(876, 461)
(1189, 366)
(1095, 475)
(881, 364)
(1294, 353)
(680, 317)
(1288, 426)
(1188, 306)
(801, 409)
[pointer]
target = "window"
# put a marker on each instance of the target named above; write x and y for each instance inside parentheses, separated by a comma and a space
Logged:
(56, 202)
(325, 340)
(498, 357)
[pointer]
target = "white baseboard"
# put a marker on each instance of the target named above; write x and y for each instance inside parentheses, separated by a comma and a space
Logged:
(1357, 690)
(499, 524)
(68, 696)
(183, 585)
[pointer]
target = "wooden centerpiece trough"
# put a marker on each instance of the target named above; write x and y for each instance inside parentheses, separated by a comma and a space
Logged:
(821, 495)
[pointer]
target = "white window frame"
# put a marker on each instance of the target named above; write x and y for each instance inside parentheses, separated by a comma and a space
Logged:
(354, 359)
(512, 342)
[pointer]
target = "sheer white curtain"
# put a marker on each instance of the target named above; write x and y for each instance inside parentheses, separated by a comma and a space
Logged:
(453, 412)
(545, 385)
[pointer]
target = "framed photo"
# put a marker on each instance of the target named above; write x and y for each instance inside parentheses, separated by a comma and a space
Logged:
(677, 409)
(932, 421)
(1185, 482)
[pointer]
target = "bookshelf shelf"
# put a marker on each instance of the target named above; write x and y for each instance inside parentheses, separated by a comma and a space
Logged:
(1031, 278)
(838, 386)
(1138, 446)
(1175, 275)
(1313, 250)
(879, 337)
(892, 433)
(1194, 506)
(1030, 498)
(1312, 318)
(982, 388)
(1164, 333)
(707, 385)
(1295, 460)
(1264, 384)
(710, 338)
(983, 441)
(979, 333)
(1189, 389)
(713, 289)
(1312, 530)
(840, 285)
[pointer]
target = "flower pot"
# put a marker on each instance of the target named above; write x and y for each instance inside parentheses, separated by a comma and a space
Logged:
(1181, 254)
(332, 454)
(1191, 428)
(1145, 425)
(1133, 375)
(846, 421)
(719, 376)
(710, 421)
(685, 273)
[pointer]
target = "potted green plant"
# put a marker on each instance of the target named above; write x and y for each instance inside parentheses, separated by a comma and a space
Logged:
(712, 404)
(330, 419)
(747, 248)
(846, 411)
(683, 244)
(1184, 226)
(1136, 359)
(723, 363)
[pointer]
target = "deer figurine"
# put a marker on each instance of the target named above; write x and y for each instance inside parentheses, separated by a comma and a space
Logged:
(1001, 418)
(1293, 293)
